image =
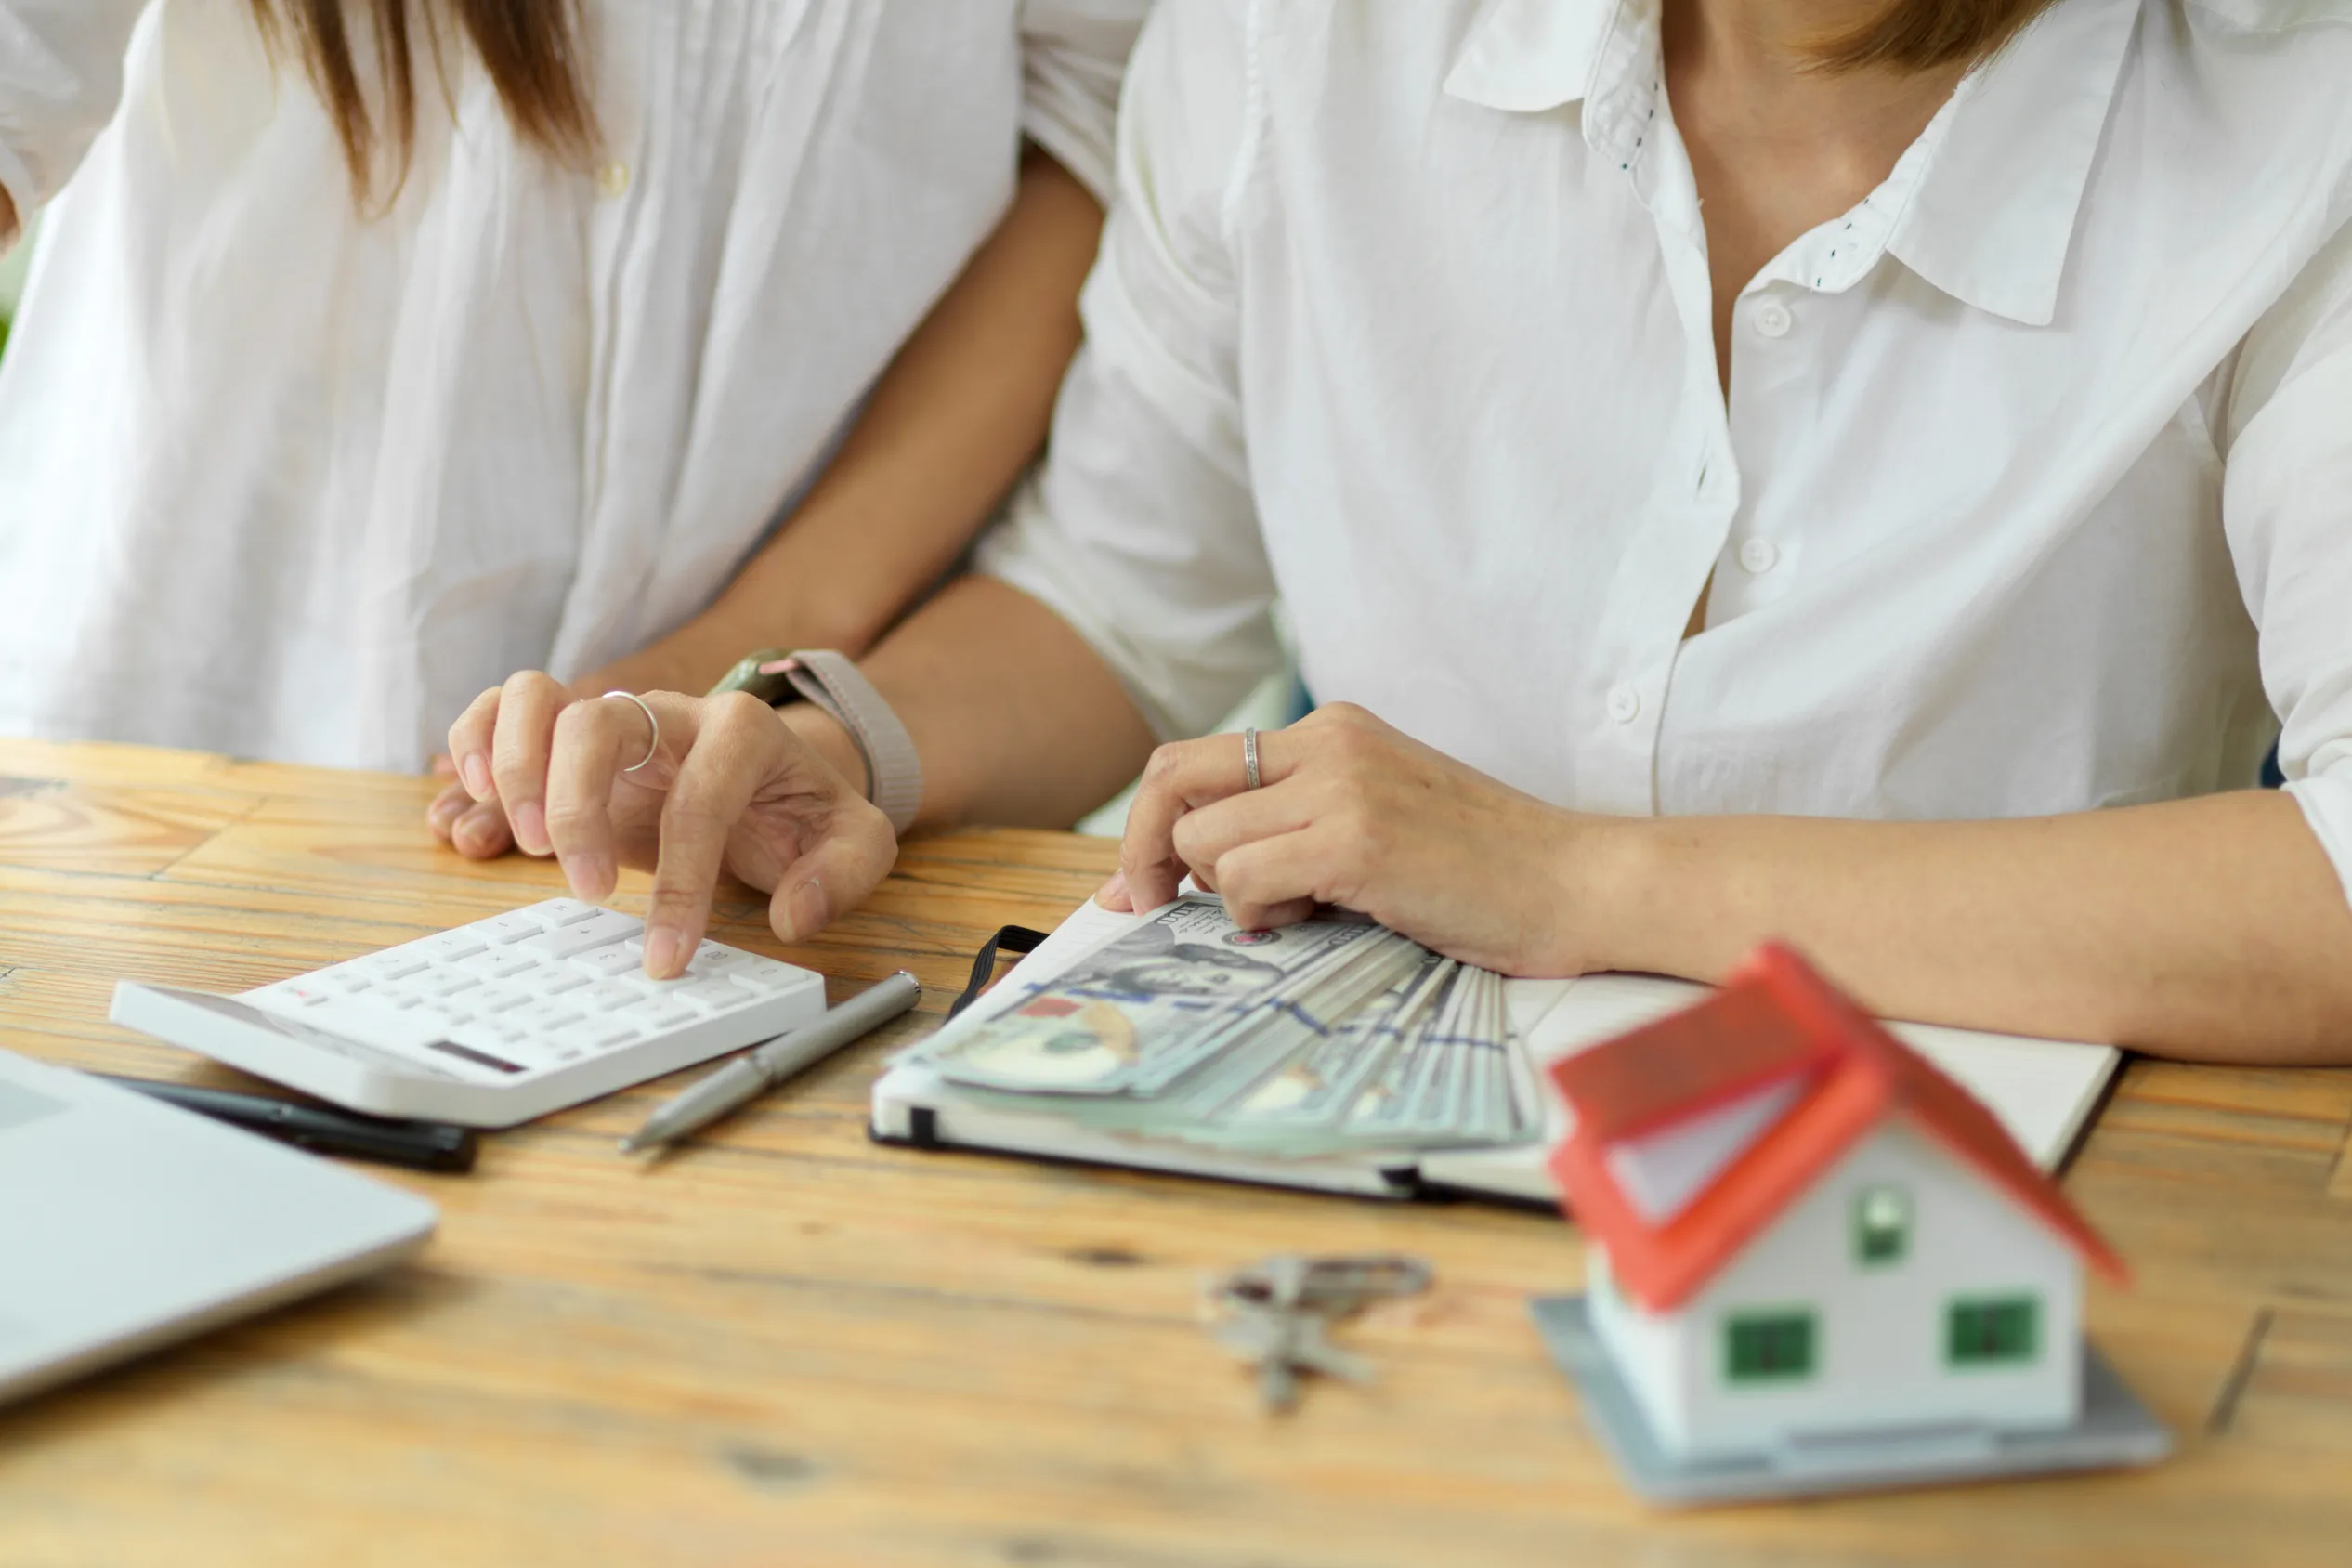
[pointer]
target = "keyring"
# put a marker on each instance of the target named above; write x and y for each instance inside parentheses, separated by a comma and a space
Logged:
(653, 747)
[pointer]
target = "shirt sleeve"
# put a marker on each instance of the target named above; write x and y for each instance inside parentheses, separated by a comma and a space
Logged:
(1075, 54)
(2287, 511)
(1140, 530)
(61, 77)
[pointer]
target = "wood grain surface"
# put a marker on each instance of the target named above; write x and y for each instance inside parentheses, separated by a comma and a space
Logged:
(789, 1345)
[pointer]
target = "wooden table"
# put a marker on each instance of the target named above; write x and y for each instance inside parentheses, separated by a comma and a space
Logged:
(791, 1346)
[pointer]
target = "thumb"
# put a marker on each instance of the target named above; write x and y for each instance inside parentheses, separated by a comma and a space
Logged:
(855, 852)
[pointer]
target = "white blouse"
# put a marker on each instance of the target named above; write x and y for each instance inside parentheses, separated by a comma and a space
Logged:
(2033, 489)
(282, 480)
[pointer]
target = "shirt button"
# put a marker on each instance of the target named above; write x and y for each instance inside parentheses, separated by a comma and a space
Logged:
(1772, 319)
(1624, 704)
(613, 180)
(1760, 555)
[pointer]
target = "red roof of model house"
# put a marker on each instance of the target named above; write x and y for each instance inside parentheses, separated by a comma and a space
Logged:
(1779, 1057)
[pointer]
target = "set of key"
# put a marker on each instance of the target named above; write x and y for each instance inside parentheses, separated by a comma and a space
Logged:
(1278, 1312)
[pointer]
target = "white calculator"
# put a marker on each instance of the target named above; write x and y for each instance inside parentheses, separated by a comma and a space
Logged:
(491, 1023)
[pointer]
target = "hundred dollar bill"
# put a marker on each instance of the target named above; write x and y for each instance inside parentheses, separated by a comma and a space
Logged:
(1419, 1096)
(1223, 1066)
(1412, 1069)
(1314, 1086)
(1124, 1014)
(1208, 1072)
(1298, 1105)
(1474, 1044)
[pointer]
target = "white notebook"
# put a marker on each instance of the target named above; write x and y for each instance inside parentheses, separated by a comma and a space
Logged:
(2043, 1090)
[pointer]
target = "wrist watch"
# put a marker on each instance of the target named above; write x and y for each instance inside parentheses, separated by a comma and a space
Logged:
(831, 682)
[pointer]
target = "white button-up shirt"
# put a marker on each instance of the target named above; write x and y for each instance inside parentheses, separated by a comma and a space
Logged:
(2033, 491)
(281, 479)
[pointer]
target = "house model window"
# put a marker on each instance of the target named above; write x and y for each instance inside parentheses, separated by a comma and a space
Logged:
(1882, 1224)
(1991, 1332)
(1769, 1347)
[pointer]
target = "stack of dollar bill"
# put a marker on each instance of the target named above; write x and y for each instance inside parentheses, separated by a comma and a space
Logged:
(1325, 1038)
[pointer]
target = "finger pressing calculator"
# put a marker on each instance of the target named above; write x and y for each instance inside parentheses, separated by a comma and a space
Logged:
(490, 1024)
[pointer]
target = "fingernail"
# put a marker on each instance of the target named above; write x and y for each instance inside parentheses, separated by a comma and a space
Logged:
(446, 810)
(589, 873)
(530, 827)
(808, 910)
(477, 829)
(665, 952)
(475, 770)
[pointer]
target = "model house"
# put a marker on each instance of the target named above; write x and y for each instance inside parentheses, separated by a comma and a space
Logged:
(1802, 1233)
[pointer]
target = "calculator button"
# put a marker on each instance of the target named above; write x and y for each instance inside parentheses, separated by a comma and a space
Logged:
(304, 995)
(561, 911)
(553, 980)
(602, 930)
(599, 1037)
(558, 1022)
(711, 956)
(609, 962)
(498, 963)
(513, 926)
(450, 946)
(608, 995)
(714, 994)
(442, 983)
(647, 985)
(660, 1013)
(764, 979)
(491, 999)
(397, 964)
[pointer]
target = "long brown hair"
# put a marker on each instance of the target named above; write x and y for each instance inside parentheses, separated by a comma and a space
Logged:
(1922, 34)
(532, 49)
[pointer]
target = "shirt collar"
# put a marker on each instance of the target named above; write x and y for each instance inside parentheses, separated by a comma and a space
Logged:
(1995, 211)
(1528, 55)
(1994, 214)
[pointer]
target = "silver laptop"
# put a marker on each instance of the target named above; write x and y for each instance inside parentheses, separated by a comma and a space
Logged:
(126, 1223)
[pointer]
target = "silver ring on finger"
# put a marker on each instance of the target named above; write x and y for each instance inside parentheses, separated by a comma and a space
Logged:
(653, 746)
(1249, 758)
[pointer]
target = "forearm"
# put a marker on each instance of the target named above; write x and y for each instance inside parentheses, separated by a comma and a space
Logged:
(1017, 720)
(960, 412)
(2211, 928)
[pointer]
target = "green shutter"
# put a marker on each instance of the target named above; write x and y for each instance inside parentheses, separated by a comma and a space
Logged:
(1997, 1331)
(1769, 1347)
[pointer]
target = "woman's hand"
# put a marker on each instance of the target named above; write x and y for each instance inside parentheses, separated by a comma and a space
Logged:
(479, 829)
(728, 788)
(1352, 813)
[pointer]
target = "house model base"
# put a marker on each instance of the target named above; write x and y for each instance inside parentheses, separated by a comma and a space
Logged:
(2115, 1428)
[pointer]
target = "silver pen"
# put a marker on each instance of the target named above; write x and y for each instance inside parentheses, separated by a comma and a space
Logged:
(752, 1075)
